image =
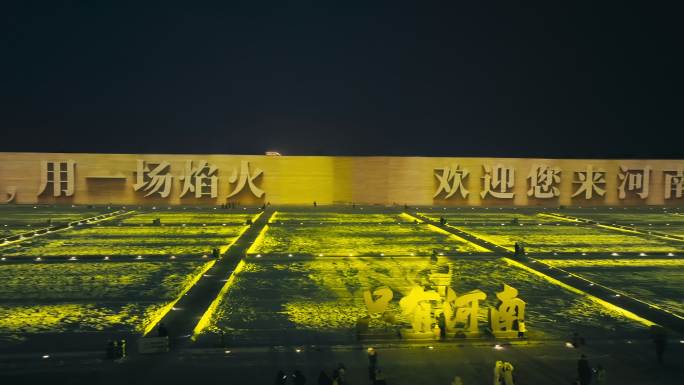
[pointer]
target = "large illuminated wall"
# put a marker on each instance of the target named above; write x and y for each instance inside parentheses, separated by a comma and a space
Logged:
(110, 178)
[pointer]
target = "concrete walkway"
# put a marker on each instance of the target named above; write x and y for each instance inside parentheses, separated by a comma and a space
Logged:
(192, 306)
(626, 363)
(621, 228)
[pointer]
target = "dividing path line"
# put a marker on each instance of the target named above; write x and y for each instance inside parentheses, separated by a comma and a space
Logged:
(620, 228)
(462, 234)
(199, 299)
(55, 229)
(630, 307)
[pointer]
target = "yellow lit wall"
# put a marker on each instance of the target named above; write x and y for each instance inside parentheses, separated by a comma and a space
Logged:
(326, 180)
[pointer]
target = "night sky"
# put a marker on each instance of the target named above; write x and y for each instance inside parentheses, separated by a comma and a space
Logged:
(323, 78)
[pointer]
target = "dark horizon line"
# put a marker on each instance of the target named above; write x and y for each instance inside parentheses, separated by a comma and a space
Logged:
(506, 155)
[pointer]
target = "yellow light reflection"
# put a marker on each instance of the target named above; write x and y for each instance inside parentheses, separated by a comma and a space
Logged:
(206, 317)
(161, 312)
(605, 304)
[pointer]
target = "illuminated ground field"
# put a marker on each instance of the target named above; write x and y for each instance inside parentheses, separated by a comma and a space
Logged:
(392, 239)
(675, 229)
(85, 297)
(128, 240)
(179, 234)
(355, 234)
(331, 218)
(40, 215)
(207, 217)
(9, 231)
(316, 296)
(570, 238)
(489, 216)
(656, 281)
(322, 299)
(642, 217)
(19, 219)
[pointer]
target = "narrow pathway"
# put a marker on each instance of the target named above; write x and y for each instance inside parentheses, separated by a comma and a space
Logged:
(196, 301)
(628, 306)
(621, 228)
(18, 238)
(467, 236)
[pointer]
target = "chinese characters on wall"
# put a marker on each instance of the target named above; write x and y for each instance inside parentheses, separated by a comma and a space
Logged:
(198, 179)
(543, 182)
(133, 179)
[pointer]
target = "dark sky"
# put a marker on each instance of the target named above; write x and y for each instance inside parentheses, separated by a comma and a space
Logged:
(323, 78)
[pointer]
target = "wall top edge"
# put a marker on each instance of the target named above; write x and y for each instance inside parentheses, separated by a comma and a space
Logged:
(65, 154)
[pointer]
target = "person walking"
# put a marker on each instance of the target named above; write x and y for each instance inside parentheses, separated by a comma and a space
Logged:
(519, 325)
(372, 357)
(338, 375)
(324, 379)
(441, 323)
(281, 378)
(660, 341)
(122, 348)
(507, 373)
(298, 378)
(379, 377)
(162, 331)
(600, 375)
(111, 349)
(341, 374)
(372, 363)
(584, 370)
(497, 372)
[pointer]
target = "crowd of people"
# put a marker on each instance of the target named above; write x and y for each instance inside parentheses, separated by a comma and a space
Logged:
(503, 374)
(337, 377)
(116, 349)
